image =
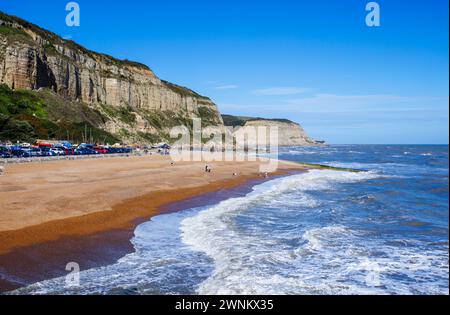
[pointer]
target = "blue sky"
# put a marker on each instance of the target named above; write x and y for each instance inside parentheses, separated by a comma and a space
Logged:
(315, 62)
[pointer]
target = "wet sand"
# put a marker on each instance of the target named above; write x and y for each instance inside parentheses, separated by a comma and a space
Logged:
(85, 211)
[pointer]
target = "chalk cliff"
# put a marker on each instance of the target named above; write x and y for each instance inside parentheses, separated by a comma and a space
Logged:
(289, 132)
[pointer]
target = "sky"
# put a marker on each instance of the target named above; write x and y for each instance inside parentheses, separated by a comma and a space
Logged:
(314, 62)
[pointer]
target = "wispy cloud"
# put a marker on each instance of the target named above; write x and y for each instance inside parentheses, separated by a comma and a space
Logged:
(363, 103)
(287, 90)
(226, 87)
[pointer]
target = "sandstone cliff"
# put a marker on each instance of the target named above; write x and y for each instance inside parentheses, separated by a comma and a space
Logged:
(33, 58)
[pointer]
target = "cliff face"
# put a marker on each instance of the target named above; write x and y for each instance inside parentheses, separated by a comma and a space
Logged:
(33, 58)
(289, 132)
(68, 90)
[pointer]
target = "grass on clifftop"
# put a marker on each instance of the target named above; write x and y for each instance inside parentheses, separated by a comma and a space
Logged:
(9, 31)
(239, 121)
(15, 35)
(184, 91)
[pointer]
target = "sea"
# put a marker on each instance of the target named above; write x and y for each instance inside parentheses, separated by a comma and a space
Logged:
(384, 230)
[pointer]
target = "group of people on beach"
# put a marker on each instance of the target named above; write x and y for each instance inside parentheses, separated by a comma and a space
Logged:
(208, 169)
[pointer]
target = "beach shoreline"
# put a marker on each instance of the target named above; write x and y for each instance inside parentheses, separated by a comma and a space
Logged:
(101, 234)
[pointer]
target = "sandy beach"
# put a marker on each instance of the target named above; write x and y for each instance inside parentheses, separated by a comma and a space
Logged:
(45, 201)
(50, 202)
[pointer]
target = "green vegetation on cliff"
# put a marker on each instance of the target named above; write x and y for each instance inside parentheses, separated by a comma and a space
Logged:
(29, 115)
(235, 121)
(15, 35)
(184, 91)
(165, 119)
(124, 113)
(208, 116)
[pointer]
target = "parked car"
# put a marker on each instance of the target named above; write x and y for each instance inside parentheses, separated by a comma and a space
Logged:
(115, 150)
(46, 151)
(112, 150)
(101, 150)
(84, 151)
(19, 152)
(35, 152)
(57, 151)
(5, 153)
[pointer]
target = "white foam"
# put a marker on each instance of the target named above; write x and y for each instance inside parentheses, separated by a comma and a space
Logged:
(241, 259)
(253, 258)
(159, 265)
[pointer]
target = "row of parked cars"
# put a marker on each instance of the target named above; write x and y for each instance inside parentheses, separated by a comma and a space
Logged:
(60, 149)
